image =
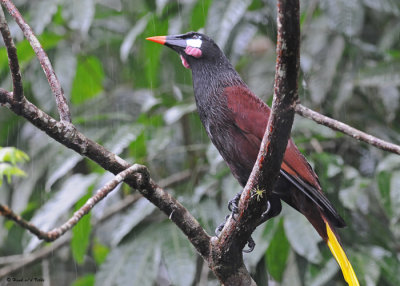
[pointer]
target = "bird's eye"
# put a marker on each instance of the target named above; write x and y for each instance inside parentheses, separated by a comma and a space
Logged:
(195, 37)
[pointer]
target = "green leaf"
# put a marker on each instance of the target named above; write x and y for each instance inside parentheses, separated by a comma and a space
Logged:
(384, 179)
(138, 148)
(25, 52)
(199, 14)
(60, 203)
(134, 262)
(395, 196)
(87, 280)
(277, 253)
(379, 75)
(390, 268)
(81, 233)
(178, 257)
(79, 14)
(13, 155)
(130, 38)
(100, 252)
(223, 17)
(8, 171)
(302, 236)
(322, 276)
(88, 81)
(175, 113)
(155, 26)
(136, 214)
(366, 266)
(345, 16)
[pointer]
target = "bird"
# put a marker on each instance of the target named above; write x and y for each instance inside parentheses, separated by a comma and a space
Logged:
(235, 120)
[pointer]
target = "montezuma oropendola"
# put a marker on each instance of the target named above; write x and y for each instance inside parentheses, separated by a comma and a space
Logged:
(235, 120)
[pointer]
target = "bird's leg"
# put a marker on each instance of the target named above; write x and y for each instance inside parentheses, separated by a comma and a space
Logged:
(267, 214)
(264, 217)
(251, 244)
(221, 226)
(274, 207)
(233, 204)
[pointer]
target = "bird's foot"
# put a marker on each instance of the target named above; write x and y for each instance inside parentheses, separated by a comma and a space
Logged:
(221, 226)
(267, 214)
(233, 204)
(251, 244)
(264, 217)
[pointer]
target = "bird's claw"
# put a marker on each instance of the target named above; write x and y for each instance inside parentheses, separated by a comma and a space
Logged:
(221, 226)
(251, 244)
(266, 215)
(233, 204)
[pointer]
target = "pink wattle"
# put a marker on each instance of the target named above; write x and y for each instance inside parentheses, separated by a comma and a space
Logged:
(184, 62)
(194, 52)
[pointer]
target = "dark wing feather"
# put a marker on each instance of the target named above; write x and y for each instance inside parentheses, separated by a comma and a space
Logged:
(250, 116)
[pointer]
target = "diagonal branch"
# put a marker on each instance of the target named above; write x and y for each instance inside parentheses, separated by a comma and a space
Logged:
(17, 262)
(85, 209)
(266, 169)
(18, 91)
(54, 83)
(31, 258)
(68, 136)
(347, 129)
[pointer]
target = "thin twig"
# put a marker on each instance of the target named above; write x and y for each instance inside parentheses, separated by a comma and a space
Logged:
(57, 232)
(28, 259)
(54, 83)
(131, 199)
(346, 129)
(73, 139)
(16, 262)
(18, 90)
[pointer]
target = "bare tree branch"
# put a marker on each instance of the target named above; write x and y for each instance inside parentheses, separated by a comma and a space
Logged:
(131, 199)
(54, 83)
(17, 262)
(346, 129)
(228, 248)
(85, 209)
(18, 90)
(28, 259)
(73, 139)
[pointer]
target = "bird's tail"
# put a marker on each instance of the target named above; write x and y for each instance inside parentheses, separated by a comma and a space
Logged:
(340, 256)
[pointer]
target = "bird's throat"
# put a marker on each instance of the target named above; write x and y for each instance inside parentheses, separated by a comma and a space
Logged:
(184, 62)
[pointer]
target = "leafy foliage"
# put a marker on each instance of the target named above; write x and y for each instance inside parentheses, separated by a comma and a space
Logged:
(9, 157)
(135, 98)
(81, 233)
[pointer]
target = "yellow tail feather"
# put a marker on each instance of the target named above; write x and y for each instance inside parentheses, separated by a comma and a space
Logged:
(341, 258)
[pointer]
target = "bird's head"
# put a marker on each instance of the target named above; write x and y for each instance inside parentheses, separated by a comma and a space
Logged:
(192, 47)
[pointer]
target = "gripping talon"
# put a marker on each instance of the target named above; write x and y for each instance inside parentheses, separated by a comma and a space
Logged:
(221, 226)
(266, 215)
(251, 244)
(233, 204)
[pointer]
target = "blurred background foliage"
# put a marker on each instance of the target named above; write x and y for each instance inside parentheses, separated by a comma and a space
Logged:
(136, 99)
